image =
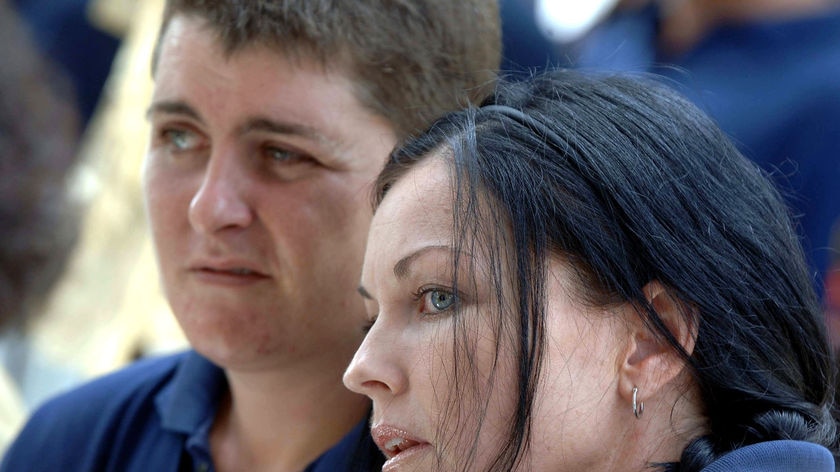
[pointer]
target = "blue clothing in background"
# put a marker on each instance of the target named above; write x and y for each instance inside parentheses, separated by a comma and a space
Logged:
(62, 31)
(524, 48)
(773, 86)
(154, 415)
(775, 456)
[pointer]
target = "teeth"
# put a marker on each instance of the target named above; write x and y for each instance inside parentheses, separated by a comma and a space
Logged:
(393, 445)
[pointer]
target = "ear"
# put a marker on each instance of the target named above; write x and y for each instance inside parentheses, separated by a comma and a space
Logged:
(650, 362)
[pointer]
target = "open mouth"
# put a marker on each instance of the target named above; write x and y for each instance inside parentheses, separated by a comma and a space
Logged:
(394, 446)
(398, 446)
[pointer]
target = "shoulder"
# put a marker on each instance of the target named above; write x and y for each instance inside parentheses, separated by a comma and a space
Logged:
(87, 426)
(776, 456)
(128, 385)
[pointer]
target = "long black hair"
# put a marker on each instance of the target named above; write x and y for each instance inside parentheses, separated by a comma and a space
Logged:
(630, 183)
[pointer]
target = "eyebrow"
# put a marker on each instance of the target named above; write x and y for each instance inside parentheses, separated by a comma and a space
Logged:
(173, 108)
(256, 124)
(402, 266)
(364, 293)
(261, 124)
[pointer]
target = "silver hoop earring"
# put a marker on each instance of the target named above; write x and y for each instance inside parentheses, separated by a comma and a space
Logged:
(638, 407)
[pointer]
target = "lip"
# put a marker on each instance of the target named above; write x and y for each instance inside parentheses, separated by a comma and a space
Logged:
(227, 272)
(399, 446)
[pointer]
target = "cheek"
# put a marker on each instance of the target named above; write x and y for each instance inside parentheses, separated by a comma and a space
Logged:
(499, 373)
(576, 399)
(319, 235)
(167, 200)
(334, 226)
(431, 373)
(348, 210)
(334, 204)
(476, 394)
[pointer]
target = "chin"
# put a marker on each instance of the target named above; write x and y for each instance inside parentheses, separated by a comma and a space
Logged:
(229, 347)
(229, 357)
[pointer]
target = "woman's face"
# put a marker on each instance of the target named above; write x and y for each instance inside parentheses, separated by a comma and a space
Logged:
(440, 366)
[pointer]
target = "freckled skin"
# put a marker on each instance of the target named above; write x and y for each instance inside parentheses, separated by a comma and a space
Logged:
(406, 362)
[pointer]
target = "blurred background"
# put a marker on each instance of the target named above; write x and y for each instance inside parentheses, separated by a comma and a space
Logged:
(105, 309)
(765, 69)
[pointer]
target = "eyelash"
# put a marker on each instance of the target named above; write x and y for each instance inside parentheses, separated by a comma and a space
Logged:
(419, 295)
(368, 325)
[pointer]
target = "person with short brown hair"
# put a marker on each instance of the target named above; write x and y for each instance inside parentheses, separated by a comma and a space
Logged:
(269, 122)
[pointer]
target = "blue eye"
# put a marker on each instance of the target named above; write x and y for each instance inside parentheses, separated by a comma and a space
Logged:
(441, 300)
(280, 155)
(180, 140)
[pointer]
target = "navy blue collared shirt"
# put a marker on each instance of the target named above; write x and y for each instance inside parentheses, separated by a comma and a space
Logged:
(154, 415)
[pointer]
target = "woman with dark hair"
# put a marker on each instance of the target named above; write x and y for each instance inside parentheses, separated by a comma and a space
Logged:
(585, 274)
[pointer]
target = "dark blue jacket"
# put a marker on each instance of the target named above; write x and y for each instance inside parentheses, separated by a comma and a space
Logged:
(775, 456)
(154, 415)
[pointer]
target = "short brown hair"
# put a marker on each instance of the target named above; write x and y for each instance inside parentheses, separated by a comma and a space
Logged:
(411, 60)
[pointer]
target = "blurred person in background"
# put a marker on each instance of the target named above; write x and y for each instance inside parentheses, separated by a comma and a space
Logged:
(535, 33)
(107, 310)
(39, 132)
(71, 35)
(525, 47)
(765, 70)
(270, 121)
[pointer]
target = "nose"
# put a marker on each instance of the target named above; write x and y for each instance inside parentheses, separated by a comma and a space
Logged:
(377, 368)
(221, 200)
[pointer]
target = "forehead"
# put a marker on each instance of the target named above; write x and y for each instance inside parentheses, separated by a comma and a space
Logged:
(189, 40)
(193, 66)
(427, 185)
(419, 211)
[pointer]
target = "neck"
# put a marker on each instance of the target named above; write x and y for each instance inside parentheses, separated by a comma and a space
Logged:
(687, 22)
(283, 420)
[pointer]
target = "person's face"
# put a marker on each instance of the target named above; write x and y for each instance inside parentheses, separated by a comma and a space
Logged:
(427, 398)
(256, 184)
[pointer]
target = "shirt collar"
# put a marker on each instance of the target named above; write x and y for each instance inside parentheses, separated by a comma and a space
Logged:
(192, 395)
(188, 404)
